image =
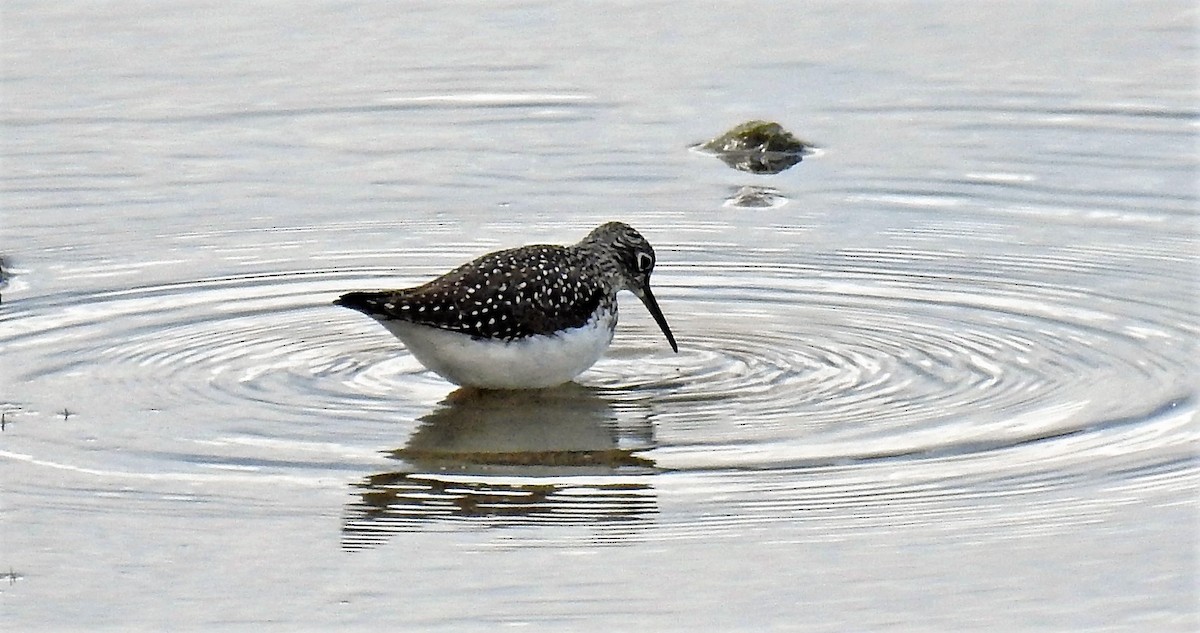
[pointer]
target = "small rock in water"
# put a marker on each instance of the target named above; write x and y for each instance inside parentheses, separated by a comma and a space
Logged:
(756, 136)
(3, 274)
(759, 147)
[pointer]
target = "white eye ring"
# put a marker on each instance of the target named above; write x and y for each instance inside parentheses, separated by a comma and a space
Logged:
(644, 262)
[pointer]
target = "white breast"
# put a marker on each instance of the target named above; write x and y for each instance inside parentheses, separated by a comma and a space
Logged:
(528, 363)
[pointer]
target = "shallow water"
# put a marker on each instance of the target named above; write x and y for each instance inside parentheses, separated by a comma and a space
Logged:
(944, 378)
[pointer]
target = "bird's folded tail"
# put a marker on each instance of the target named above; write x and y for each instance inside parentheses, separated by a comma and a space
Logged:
(370, 303)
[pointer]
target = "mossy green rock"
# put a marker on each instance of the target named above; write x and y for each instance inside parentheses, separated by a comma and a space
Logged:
(756, 136)
(760, 147)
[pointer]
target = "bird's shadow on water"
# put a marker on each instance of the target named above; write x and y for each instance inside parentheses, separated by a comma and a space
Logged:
(561, 456)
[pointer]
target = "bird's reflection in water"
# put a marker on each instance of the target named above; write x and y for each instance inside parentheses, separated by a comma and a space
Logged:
(554, 456)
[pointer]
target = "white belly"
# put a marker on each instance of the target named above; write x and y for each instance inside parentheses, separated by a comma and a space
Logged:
(529, 363)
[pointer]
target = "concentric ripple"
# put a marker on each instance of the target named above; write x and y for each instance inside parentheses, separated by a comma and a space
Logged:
(834, 366)
(862, 360)
(252, 341)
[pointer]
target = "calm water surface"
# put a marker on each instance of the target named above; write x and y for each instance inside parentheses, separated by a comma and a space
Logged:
(940, 376)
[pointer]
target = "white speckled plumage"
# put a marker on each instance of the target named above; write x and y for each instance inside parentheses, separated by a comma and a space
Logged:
(521, 318)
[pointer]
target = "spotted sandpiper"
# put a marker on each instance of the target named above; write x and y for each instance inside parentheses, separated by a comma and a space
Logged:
(522, 318)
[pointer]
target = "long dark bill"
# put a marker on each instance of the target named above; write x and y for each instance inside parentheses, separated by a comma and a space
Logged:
(647, 298)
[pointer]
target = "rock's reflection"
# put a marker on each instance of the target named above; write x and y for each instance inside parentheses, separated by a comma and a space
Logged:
(758, 162)
(554, 456)
(755, 197)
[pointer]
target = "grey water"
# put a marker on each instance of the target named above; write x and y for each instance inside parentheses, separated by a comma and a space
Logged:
(940, 375)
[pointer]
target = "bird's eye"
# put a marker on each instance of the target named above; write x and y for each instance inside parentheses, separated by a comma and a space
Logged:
(645, 262)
